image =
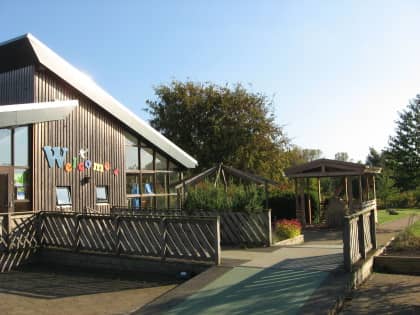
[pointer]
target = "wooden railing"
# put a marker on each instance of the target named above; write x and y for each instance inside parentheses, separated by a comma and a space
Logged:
(18, 239)
(187, 238)
(359, 235)
(237, 228)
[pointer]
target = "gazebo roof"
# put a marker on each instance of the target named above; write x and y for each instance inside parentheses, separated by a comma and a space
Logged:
(329, 168)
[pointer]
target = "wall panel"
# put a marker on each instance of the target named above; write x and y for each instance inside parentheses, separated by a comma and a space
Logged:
(16, 86)
(88, 127)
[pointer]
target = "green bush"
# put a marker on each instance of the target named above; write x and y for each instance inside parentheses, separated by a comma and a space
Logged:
(247, 198)
(285, 229)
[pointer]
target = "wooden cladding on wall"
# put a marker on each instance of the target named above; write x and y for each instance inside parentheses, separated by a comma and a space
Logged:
(87, 127)
(17, 86)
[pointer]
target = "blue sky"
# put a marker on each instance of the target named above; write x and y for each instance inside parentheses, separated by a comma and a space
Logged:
(338, 71)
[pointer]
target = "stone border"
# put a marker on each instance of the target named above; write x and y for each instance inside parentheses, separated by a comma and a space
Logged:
(291, 241)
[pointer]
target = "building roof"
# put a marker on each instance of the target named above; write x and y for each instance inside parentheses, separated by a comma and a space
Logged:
(329, 168)
(21, 114)
(27, 50)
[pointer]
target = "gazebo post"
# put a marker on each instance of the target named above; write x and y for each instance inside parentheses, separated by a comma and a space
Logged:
(302, 203)
(350, 194)
(346, 187)
(360, 190)
(309, 201)
(367, 187)
(319, 196)
(374, 187)
(296, 195)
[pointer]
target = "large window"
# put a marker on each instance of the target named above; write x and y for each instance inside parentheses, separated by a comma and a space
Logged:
(14, 153)
(150, 176)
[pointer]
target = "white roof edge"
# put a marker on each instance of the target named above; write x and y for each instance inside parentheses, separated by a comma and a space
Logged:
(23, 114)
(90, 89)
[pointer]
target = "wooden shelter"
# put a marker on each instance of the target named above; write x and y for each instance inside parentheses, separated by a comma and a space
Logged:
(365, 194)
(220, 171)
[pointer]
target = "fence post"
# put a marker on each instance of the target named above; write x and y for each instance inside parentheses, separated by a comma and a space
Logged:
(217, 256)
(38, 229)
(76, 239)
(163, 233)
(269, 233)
(346, 244)
(117, 235)
(362, 243)
(372, 219)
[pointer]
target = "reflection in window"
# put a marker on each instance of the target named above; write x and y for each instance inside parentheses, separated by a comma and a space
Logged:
(130, 139)
(160, 162)
(133, 184)
(146, 158)
(20, 153)
(21, 184)
(147, 182)
(102, 194)
(131, 158)
(161, 202)
(133, 203)
(6, 147)
(147, 202)
(161, 183)
(63, 196)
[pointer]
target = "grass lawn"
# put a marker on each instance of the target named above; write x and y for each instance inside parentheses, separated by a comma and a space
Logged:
(415, 229)
(384, 216)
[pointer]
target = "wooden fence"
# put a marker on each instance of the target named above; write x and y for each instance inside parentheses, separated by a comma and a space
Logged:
(186, 238)
(18, 239)
(359, 235)
(237, 228)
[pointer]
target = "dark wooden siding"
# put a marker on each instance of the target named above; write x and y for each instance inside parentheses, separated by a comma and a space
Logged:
(16, 86)
(88, 127)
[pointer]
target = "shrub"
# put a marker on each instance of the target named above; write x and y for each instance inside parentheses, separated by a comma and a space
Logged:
(206, 197)
(285, 229)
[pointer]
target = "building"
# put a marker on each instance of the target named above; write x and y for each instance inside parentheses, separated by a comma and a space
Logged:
(65, 144)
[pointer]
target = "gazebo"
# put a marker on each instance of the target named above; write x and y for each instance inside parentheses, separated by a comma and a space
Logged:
(354, 175)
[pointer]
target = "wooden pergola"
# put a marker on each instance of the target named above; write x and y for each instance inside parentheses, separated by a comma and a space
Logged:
(349, 171)
(220, 171)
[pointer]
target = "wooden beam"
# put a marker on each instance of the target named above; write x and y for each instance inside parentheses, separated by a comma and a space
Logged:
(350, 188)
(367, 187)
(319, 196)
(360, 190)
(374, 186)
(309, 201)
(346, 187)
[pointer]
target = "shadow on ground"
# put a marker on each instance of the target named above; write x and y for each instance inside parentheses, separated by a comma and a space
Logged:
(283, 288)
(51, 282)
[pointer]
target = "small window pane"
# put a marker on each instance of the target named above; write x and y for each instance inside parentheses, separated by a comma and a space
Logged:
(134, 203)
(133, 184)
(173, 202)
(147, 202)
(147, 184)
(101, 194)
(63, 196)
(146, 158)
(6, 147)
(131, 158)
(162, 203)
(22, 184)
(21, 146)
(161, 162)
(130, 139)
(161, 183)
(174, 179)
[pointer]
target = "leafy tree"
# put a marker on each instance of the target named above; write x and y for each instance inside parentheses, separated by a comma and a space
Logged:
(221, 124)
(403, 154)
(375, 158)
(342, 156)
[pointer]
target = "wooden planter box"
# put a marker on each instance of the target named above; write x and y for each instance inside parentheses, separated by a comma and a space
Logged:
(397, 264)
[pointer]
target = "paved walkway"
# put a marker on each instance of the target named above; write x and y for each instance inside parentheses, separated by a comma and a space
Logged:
(301, 279)
(386, 294)
(259, 281)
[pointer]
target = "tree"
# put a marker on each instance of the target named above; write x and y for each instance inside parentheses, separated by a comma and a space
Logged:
(221, 124)
(341, 156)
(403, 154)
(375, 158)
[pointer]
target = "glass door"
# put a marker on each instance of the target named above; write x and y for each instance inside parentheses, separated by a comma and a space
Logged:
(6, 190)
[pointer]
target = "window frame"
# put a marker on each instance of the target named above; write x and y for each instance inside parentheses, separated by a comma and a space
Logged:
(68, 188)
(102, 201)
